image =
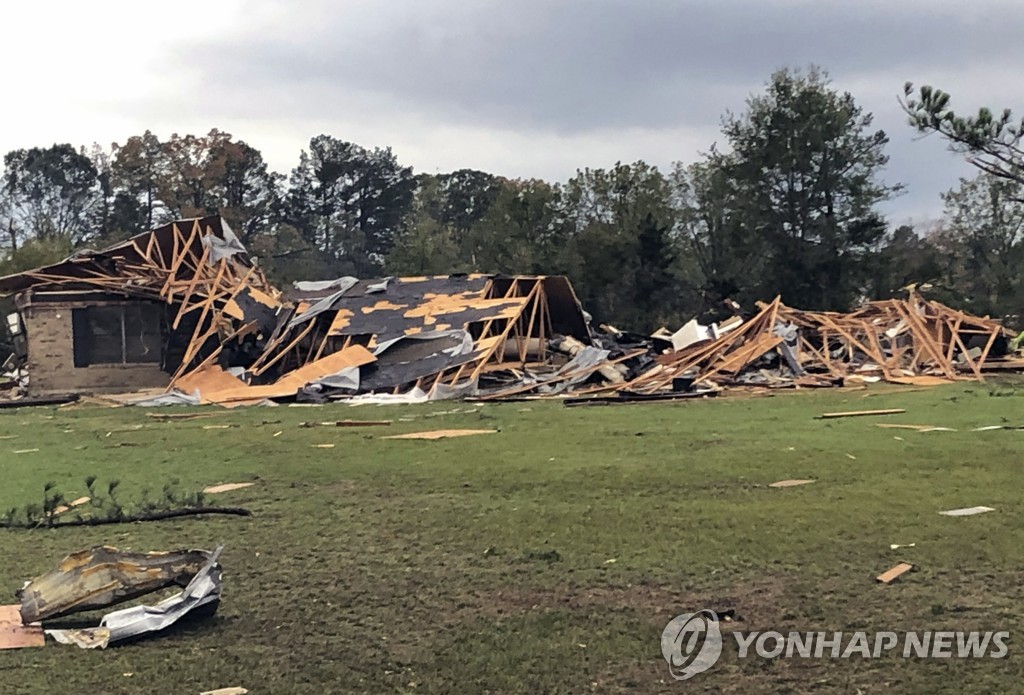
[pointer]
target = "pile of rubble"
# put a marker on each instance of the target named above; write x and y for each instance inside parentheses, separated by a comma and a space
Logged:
(911, 340)
(182, 314)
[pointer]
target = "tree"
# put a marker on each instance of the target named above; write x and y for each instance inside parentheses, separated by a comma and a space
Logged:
(805, 164)
(982, 241)
(992, 143)
(248, 195)
(136, 171)
(903, 257)
(464, 197)
(350, 202)
(728, 262)
(622, 249)
(428, 243)
(521, 231)
(51, 193)
(191, 178)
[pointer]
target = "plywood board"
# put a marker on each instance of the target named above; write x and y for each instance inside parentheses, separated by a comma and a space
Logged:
(439, 434)
(14, 635)
(889, 576)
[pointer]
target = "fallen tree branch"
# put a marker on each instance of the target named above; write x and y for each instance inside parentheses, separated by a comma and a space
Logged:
(150, 516)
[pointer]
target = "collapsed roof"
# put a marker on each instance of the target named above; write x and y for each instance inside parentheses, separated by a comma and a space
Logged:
(226, 321)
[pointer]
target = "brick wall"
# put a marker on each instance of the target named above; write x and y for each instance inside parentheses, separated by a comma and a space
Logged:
(51, 360)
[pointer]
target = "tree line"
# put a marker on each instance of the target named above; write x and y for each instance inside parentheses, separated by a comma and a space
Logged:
(789, 205)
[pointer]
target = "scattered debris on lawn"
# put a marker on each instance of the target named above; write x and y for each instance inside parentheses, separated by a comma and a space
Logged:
(439, 434)
(895, 573)
(861, 413)
(967, 511)
(897, 546)
(201, 596)
(225, 691)
(225, 487)
(790, 483)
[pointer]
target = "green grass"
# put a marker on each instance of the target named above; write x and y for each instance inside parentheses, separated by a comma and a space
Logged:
(547, 557)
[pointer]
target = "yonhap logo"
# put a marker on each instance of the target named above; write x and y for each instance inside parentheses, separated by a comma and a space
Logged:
(691, 643)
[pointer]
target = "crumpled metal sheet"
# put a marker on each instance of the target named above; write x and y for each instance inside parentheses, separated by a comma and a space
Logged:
(104, 576)
(203, 590)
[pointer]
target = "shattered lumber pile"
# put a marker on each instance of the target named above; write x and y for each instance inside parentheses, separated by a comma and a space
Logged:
(914, 341)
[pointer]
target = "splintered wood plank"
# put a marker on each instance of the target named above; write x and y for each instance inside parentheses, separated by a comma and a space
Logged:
(861, 413)
(790, 483)
(439, 434)
(894, 426)
(225, 487)
(895, 573)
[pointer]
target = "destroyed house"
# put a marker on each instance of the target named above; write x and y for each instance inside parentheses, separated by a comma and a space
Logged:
(184, 308)
(136, 314)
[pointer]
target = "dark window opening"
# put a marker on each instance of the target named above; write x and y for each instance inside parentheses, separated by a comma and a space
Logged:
(116, 335)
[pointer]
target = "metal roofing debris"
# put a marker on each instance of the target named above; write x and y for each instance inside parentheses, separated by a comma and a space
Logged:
(202, 591)
(104, 576)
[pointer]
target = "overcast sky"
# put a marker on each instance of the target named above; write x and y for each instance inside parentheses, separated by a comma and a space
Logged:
(520, 88)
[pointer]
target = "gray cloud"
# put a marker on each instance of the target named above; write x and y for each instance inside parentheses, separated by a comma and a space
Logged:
(582, 64)
(568, 75)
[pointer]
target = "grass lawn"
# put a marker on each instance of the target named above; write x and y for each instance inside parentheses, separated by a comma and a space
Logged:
(549, 556)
